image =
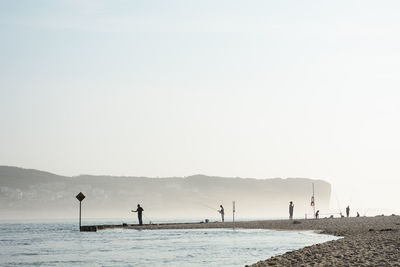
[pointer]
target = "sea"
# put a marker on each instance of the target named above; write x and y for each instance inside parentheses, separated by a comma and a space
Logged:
(59, 243)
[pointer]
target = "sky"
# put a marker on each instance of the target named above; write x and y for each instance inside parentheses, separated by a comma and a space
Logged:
(256, 89)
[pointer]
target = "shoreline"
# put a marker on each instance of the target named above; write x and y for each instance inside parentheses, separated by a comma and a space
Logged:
(367, 241)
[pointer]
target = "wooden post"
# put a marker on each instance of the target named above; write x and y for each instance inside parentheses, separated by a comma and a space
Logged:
(313, 197)
(80, 215)
(233, 215)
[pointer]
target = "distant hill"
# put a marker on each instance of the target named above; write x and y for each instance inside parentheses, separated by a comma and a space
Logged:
(28, 193)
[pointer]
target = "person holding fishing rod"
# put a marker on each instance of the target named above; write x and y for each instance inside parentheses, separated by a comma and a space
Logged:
(347, 211)
(222, 211)
(139, 211)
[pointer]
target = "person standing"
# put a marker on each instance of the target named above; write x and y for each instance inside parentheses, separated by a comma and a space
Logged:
(139, 211)
(348, 211)
(291, 207)
(222, 211)
(317, 215)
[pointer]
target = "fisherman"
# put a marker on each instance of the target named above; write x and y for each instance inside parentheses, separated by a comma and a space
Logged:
(358, 214)
(348, 211)
(291, 207)
(222, 211)
(139, 211)
(317, 214)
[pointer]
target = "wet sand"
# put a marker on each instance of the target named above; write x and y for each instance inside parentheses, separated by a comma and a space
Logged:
(368, 241)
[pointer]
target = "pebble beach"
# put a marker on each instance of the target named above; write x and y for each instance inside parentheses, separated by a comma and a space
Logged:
(367, 241)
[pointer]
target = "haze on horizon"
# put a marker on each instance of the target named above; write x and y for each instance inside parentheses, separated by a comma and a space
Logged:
(255, 89)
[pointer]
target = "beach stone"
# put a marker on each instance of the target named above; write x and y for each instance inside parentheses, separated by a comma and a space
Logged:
(362, 245)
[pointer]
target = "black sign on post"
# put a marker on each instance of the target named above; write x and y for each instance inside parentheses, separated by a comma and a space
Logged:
(80, 197)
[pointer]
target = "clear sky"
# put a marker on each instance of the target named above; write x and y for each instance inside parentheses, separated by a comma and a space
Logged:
(230, 88)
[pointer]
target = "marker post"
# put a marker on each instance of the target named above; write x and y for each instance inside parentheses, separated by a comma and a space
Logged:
(80, 197)
(233, 214)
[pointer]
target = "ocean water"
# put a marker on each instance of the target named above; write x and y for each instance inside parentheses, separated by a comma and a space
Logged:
(61, 244)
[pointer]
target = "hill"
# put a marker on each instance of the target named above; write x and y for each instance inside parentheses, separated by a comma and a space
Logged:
(26, 193)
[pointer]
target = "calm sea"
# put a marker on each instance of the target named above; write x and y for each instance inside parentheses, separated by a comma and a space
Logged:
(61, 244)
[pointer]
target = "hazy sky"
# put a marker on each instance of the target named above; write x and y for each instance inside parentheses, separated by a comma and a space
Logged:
(229, 88)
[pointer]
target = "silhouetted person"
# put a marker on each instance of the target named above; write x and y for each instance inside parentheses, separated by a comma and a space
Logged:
(348, 211)
(139, 211)
(291, 207)
(222, 211)
(317, 214)
(358, 214)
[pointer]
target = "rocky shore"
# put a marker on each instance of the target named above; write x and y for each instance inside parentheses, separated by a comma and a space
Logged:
(368, 241)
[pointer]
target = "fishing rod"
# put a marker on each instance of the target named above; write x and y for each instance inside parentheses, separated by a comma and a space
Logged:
(365, 213)
(146, 217)
(338, 203)
(207, 206)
